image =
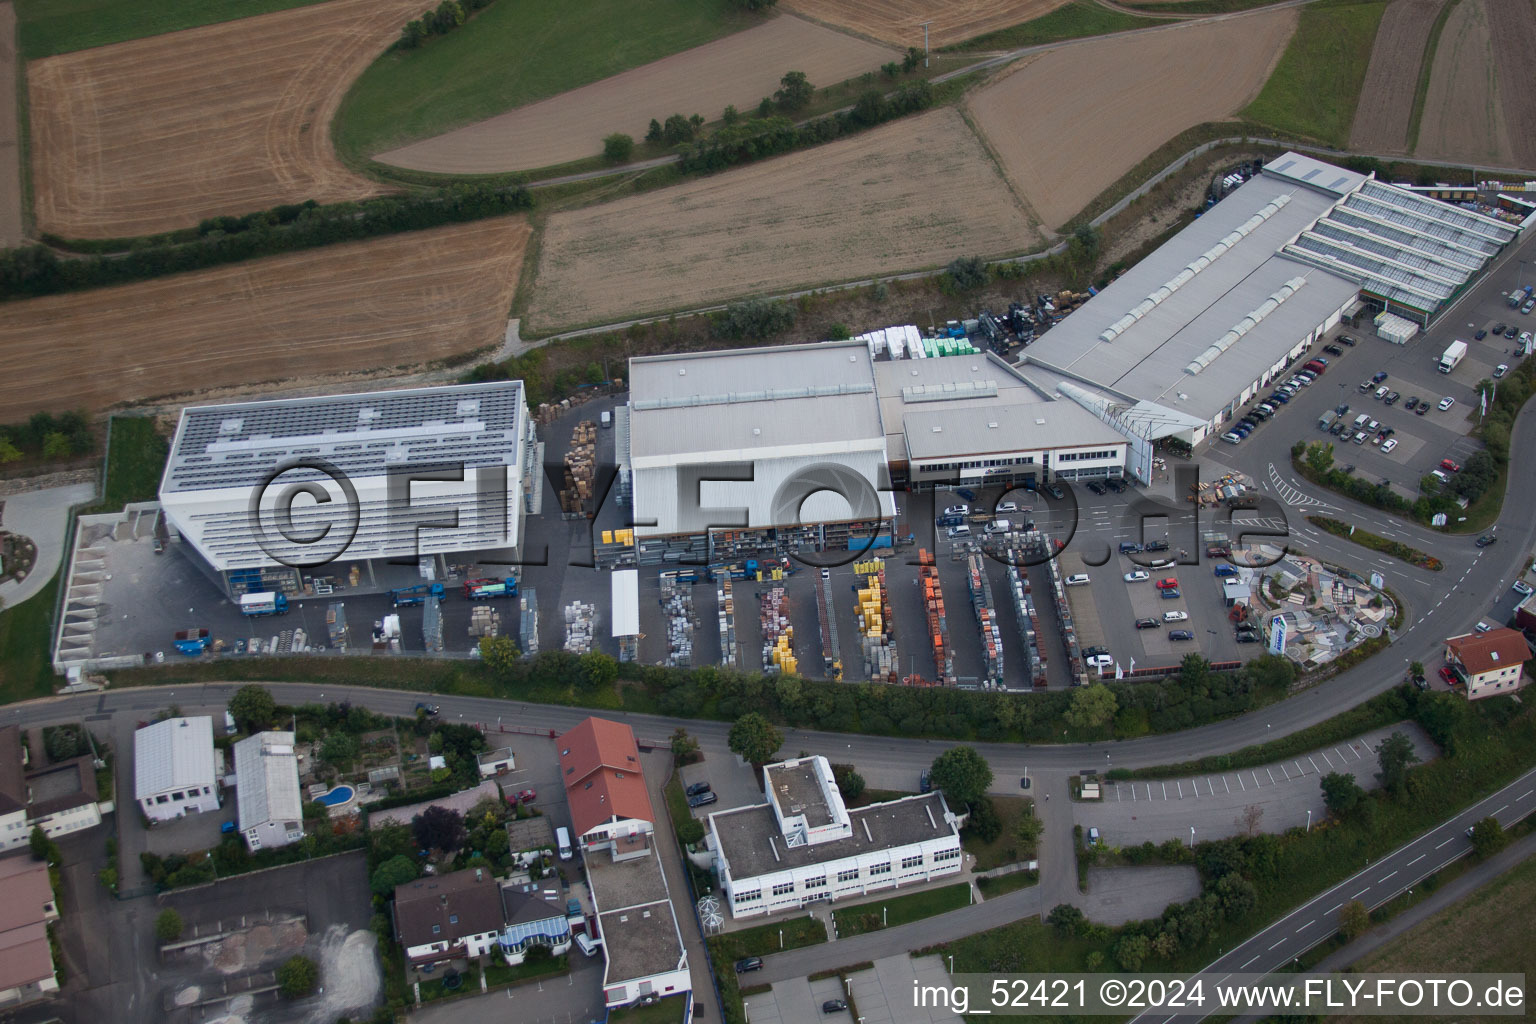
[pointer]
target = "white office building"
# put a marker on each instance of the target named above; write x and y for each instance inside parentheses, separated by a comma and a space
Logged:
(271, 811)
(382, 478)
(174, 768)
(804, 845)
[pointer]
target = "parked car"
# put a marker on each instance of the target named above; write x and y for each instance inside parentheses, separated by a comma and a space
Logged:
(958, 510)
(751, 963)
(1446, 403)
(1007, 507)
(702, 799)
(1378, 376)
(924, 784)
(1248, 636)
(427, 709)
(1365, 387)
(697, 788)
(1450, 465)
(1223, 569)
(1146, 623)
(1175, 616)
(1381, 393)
(1170, 593)
(1500, 370)
(1389, 446)
(1167, 582)
(1347, 340)
(1359, 437)
(1412, 403)
(1498, 328)
(833, 1006)
(1137, 577)
(1481, 627)
(1155, 545)
(966, 493)
(1093, 836)
(1077, 579)
(1392, 397)
(1118, 486)
(1333, 350)
(1448, 674)
(1095, 487)
(1055, 491)
(527, 796)
(1480, 335)
(1180, 634)
(1100, 661)
(1521, 587)
(1336, 429)
(1232, 438)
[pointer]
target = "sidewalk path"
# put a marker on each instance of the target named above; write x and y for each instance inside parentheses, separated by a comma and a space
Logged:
(40, 515)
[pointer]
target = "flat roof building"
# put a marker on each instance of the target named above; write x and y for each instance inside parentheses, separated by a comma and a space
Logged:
(1178, 342)
(270, 809)
(173, 768)
(393, 467)
(804, 844)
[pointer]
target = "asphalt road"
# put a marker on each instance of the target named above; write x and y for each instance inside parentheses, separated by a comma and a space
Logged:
(1318, 918)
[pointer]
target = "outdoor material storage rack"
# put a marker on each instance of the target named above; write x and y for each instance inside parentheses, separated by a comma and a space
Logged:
(877, 638)
(938, 622)
(1026, 614)
(778, 634)
(827, 618)
(986, 619)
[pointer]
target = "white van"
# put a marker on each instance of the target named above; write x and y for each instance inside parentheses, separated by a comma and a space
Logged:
(229, 724)
(563, 840)
(999, 526)
(587, 943)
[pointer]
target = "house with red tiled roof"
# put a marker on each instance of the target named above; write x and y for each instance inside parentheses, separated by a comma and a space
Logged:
(1489, 663)
(27, 906)
(610, 808)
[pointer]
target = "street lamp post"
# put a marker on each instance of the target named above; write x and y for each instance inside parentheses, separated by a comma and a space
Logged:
(1191, 837)
(925, 42)
(951, 963)
(1309, 819)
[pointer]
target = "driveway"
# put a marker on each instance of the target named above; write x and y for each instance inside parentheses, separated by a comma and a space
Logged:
(731, 780)
(42, 516)
(576, 998)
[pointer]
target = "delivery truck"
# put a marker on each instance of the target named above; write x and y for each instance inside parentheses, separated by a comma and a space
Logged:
(269, 603)
(1454, 353)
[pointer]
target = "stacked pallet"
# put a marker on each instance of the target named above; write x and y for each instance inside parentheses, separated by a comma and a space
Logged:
(580, 624)
(528, 622)
(778, 633)
(986, 620)
(876, 625)
(826, 616)
(938, 620)
(483, 621)
(677, 609)
(1029, 623)
(727, 621)
(580, 461)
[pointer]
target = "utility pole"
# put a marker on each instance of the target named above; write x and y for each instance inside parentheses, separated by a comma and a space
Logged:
(925, 42)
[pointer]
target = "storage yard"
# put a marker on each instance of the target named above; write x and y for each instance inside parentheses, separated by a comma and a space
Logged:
(741, 69)
(393, 301)
(159, 133)
(899, 22)
(916, 193)
(1120, 98)
(1392, 77)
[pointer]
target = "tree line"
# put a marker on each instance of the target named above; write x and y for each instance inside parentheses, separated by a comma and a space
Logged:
(447, 16)
(46, 436)
(38, 270)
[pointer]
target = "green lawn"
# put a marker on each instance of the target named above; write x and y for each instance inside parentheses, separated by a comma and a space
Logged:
(998, 885)
(895, 910)
(1316, 86)
(1201, 6)
(1074, 21)
(498, 974)
(765, 939)
(667, 1011)
(47, 27)
(135, 462)
(513, 53)
(1003, 849)
(26, 666)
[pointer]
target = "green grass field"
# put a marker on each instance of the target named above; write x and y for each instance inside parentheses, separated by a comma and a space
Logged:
(895, 910)
(47, 27)
(1003, 849)
(514, 53)
(1316, 86)
(26, 669)
(1074, 21)
(136, 459)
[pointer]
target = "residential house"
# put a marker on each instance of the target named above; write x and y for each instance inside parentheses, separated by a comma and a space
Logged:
(269, 809)
(604, 789)
(14, 828)
(1489, 663)
(174, 768)
(532, 916)
(59, 799)
(804, 845)
(440, 918)
(27, 905)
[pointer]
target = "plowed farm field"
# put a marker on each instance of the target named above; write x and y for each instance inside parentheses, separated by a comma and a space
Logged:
(159, 133)
(1463, 116)
(1068, 124)
(900, 22)
(906, 196)
(1514, 26)
(402, 300)
(740, 69)
(1383, 116)
(10, 139)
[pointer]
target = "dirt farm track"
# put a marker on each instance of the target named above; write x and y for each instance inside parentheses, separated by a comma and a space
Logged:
(1068, 124)
(739, 69)
(912, 194)
(1386, 98)
(402, 300)
(159, 133)
(900, 22)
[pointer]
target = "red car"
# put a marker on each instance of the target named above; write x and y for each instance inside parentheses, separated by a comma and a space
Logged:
(1449, 466)
(1167, 584)
(1448, 675)
(527, 796)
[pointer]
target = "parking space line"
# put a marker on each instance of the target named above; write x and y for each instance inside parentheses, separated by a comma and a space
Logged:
(1326, 758)
(1314, 765)
(1256, 782)
(1226, 783)
(1133, 792)
(1271, 776)
(1149, 789)
(1299, 770)
(1241, 783)
(1286, 772)
(1181, 789)
(1165, 791)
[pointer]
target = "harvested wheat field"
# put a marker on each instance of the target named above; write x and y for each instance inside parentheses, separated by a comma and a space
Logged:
(740, 69)
(10, 139)
(1385, 109)
(1067, 125)
(1514, 26)
(909, 195)
(405, 299)
(900, 22)
(1463, 118)
(158, 133)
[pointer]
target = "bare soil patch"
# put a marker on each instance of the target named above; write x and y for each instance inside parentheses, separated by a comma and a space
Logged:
(740, 69)
(10, 136)
(1067, 125)
(1513, 24)
(1463, 115)
(1385, 111)
(402, 300)
(159, 133)
(913, 194)
(900, 22)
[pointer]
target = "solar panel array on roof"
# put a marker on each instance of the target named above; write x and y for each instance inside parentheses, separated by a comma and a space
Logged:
(228, 446)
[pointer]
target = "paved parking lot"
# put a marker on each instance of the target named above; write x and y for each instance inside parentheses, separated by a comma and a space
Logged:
(1120, 894)
(1131, 813)
(730, 779)
(798, 1000)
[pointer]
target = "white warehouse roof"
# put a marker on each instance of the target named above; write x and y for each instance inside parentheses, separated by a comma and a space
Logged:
(176, 753)
(267, 779)
(624, 590)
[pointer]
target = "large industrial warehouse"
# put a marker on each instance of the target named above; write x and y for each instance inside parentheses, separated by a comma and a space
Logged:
(798, 447)
(382, 488)
(1180, 341)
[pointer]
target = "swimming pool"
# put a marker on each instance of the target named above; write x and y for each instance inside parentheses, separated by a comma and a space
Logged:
(337, 796)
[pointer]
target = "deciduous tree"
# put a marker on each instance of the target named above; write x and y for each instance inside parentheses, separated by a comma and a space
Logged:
(1488, 837)
(1354, 919)
(794, 92)
(1092, 707)
(253, 707)
(1340, 793)
(618, 147)
(963, 775)
(168, 925)
(1395, 755)
(438, 828)
(395, 871)
(755, 739)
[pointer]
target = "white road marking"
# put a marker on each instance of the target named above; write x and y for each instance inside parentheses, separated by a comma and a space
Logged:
(1271, 776)
(1252, 959)
(1336, 906)
(1226, 783)
(1384, 878)
(1280, 943)
(1165, 791)
(1417, 859)
(1446, 841)
(1326, 758)
(1181, 789)
(1303, 928)
(1501, 809)
(1362, 892)
(1240, 782)
(1527, 793)
(1286, 772)
(1314, 764)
